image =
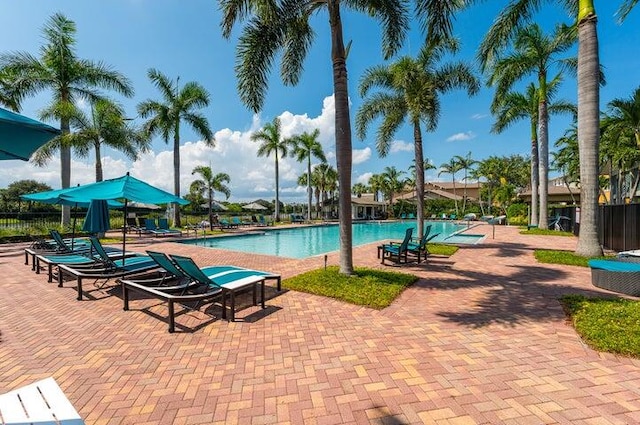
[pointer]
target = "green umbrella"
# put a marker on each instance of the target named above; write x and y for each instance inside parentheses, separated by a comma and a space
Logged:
(97, 218)
(20, 136)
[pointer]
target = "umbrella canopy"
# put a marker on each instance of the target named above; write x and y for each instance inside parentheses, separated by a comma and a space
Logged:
(215, 206)
(20, 136)
(55, 197)
(97, 218)
(254, 206)
(125, 187)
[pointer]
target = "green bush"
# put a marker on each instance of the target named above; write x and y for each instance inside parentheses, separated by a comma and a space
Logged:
(606, 324)
(368, 287)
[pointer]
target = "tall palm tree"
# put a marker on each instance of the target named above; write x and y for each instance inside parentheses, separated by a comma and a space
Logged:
(410, 90)
(306, 146)
(272, 143)
(624, 115)
(358, 189)
(284, 30)
(165, 117)
(106, 125)
(210, 183)
(376, 183)
(625, 9)
(465, 163)
(392, 183)
(68, 77)
(451, 167)
(325, 177)
(515, 106)
(535, 53)
(501, 32)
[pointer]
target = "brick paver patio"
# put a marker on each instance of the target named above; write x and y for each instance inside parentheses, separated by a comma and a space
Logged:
(479, 339)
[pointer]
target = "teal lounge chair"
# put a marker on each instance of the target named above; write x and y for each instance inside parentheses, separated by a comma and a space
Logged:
(621, 275)
(230, 282)
(397, 253)
(107, 269)
(150, 227)
(57, 245)
(420, 248)
(163, 224)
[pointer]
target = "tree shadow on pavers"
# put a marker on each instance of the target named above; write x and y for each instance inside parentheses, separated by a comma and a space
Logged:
(384, 418)
(529, 294)
(504, 249)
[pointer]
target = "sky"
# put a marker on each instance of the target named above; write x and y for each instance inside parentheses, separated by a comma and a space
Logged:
(183, 39)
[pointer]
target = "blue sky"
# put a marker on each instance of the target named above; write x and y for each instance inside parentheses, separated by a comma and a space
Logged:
(183, 38)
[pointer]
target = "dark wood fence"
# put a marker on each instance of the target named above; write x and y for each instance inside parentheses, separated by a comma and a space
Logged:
(620, 226)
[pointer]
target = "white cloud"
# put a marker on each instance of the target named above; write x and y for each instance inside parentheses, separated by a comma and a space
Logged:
(479, 116)
(400, 146)
(361, 155)
(234, 153)
(458, 137)
(364, 178)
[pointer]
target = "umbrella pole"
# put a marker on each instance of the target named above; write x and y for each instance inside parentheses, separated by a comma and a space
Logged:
(73, 230)
(124, 232)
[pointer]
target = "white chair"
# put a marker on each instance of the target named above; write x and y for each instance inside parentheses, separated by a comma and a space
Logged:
(41, 403)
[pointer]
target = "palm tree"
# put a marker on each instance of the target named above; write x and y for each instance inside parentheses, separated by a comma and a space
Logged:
(501, 32)
(565, 159)
(272, 143)
(376, 183)
(284, 30)
(535, 53)
(465, 163)
(325, 177)
(305, 146)
(625, 9)
(210, 183)
(451, 167)
(358, 189)
(410, 91)
(69, 78)
(178, 104)
(515, 106)
(105, 126)
(624, 115)
(392, 183)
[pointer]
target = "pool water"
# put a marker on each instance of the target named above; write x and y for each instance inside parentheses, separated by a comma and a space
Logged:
(303, 242)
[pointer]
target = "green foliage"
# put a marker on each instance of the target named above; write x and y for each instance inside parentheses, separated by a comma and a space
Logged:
(368, 287)
(606, 324)
(517, 214)
(562, 257)
(442, 249)
(544, 232)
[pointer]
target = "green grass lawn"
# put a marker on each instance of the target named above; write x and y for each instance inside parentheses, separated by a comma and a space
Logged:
(371, 288)
(545, 232)
(569, 258)
(606, 324)
(442, 249)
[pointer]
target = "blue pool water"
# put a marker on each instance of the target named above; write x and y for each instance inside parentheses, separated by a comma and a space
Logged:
(303, 242)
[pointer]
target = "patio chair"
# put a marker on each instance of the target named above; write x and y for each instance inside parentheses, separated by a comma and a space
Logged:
(107, 269)
(229, 282)
(57, 245)
(296, 218)
(620, 275)
(263, 221)
(41, 402)
(420, 248)
(163, 224)
(396, 252)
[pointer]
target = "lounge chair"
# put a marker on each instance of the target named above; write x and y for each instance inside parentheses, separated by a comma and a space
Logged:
(57, 245)
(297, 218)
(621, 276)
(107, 269)
(396, 252)
(403, 216)
(225, 224)
(229, 282)
(263, 221)
(41, 402)
(420, 248)
(150, 227)
(411, 216)
(163, 224)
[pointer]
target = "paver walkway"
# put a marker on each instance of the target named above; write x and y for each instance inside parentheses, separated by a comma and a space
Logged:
(479, 339)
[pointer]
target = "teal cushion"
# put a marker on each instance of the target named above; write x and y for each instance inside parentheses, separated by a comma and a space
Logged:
(614, 266)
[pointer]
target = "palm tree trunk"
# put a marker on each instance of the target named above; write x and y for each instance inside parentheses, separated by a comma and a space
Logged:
(343, 136)
(417, 145)
(535, 177)
(317, 193)
(543, 160)
(588, 129)
(176, 175)
(309, 194)
(65, 171)
(464, 196)
(211, 209)
(277, 217)
(99, 176)
(455, 198)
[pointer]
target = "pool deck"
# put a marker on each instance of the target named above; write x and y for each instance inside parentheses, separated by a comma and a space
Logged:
(479, 339)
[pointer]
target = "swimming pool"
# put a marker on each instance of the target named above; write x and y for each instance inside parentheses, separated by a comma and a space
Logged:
(303, 242)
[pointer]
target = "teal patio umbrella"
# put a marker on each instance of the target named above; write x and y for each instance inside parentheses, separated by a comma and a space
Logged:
(125, 188)
(97, 218)
(21, 136)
